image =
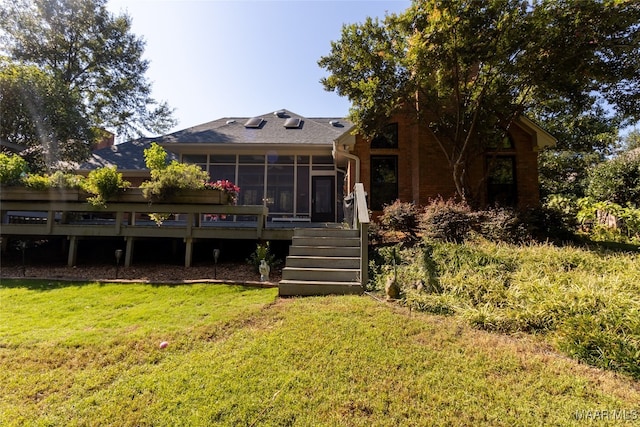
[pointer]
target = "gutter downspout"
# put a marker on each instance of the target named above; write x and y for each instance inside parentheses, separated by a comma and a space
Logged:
(348, 156)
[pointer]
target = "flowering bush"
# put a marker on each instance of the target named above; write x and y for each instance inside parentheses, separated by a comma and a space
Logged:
(225, 186)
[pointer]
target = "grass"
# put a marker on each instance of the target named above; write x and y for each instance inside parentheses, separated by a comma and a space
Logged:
(87, 354)
(584, 302)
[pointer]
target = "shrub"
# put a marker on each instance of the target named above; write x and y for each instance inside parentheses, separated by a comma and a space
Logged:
(37, 181)
(448, 220)
(547, 224)
(375, 234)
(155, 157)
(608, 221)
(616, 180)
(401, 217)
(456, 222)
(567, 206)
(105, 182)
(58, 179)
(168, 179)
(263, 252)
(500, 225)
(12, 169)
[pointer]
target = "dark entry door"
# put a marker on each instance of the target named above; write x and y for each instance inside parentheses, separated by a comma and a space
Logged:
(323, 199)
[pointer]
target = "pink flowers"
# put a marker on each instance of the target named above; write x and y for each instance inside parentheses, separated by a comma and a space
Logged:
(226, 186)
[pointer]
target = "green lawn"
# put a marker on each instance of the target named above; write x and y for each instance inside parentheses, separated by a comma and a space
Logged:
(88, 354)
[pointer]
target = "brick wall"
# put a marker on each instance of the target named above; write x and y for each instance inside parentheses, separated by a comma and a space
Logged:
(424, 172)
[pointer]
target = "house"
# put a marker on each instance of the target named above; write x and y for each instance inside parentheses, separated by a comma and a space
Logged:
(302, 168)
(406, 163)
(279, 159)
(314, 172)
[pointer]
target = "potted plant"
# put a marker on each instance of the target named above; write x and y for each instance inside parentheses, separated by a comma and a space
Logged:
(104, 184)
(170, 180)
(19, 185)
(228, 188)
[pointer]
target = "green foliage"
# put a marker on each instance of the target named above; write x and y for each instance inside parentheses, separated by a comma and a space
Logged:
(566, 205)
(159, 217)
(564, 172)
(175, 177)
(584, 302)
(105, 183)
(608, 221)
(57, 179)
(12, 169)
(60, 179)
(263, 252)
(168, 179)
(93, 54)
(474, 68)
(42, 116)
(37, 181)
(631, 141)
(616, 180)
(155, 157)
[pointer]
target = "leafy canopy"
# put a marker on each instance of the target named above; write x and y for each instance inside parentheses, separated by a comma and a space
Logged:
(469, 69)
(93, 54)
(41, 118)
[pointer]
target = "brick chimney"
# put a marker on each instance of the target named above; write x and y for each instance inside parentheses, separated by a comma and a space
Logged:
(106, 139)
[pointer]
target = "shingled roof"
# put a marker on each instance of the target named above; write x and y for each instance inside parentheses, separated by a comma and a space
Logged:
(271, 130)
(127, 156)
(228, 130)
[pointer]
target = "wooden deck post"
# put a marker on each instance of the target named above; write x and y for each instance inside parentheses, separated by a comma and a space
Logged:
(73, 250)
(188, 253)
(128, 253)
(51, 217)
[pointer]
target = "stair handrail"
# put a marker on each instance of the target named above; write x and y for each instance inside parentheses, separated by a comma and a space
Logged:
(361, 222)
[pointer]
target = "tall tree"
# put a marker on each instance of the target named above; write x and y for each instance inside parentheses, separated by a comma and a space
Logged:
(584, 140)
(41, 118)
(469, 69)
(94, 53)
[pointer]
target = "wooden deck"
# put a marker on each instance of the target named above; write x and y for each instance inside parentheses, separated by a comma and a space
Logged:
(190, 222)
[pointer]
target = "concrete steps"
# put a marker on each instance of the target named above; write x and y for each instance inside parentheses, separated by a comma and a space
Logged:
(322, 261)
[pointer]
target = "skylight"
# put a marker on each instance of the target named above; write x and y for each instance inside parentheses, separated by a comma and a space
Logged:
(292, 123)
(254, 122)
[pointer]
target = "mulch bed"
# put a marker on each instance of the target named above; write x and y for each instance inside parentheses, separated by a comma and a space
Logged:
(231, 273)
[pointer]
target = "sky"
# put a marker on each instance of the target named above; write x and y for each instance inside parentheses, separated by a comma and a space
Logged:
(211, 59)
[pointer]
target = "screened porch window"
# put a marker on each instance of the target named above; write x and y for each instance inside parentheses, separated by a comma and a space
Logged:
(282, 182)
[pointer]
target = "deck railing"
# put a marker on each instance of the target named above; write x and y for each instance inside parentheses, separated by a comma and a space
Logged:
(361, 222)
(119, 219)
